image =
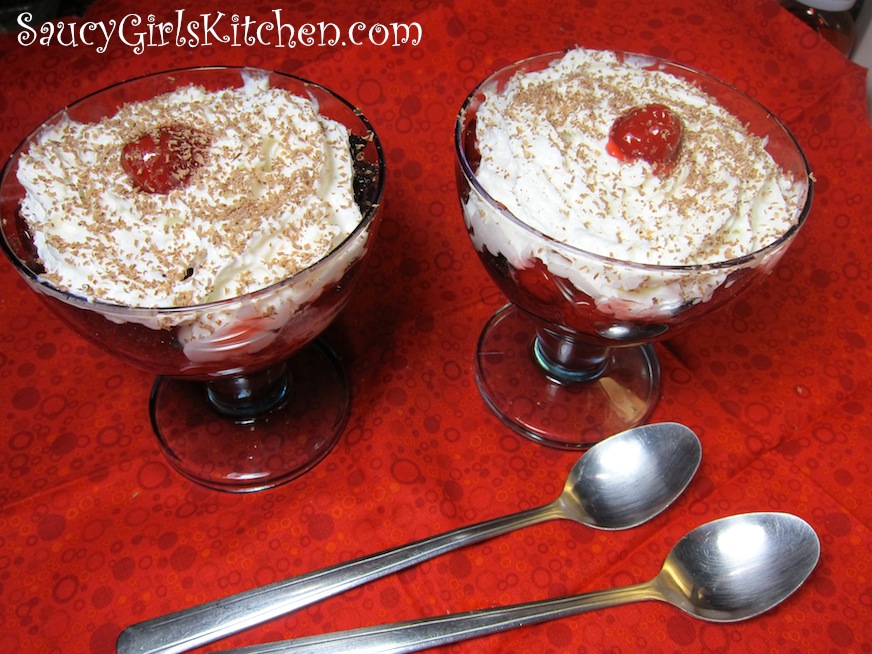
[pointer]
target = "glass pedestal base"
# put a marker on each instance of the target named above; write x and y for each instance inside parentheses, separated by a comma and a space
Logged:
(244, 454)
(556, 412)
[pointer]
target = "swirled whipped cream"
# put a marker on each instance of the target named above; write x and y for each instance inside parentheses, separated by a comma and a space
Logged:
(272, 197)
(543, 144)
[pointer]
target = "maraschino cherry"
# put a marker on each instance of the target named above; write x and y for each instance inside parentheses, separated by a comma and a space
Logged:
(651, 132)
(163, 159)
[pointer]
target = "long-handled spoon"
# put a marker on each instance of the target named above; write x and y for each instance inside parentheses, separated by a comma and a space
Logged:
(619, 483)
(727, 570)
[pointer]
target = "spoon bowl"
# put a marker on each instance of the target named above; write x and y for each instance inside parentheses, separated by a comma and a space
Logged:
(629, 478)
(724, 571)
(735, 568)
(619, 483)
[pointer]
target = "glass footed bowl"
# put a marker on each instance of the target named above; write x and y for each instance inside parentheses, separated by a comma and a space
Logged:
(570, 360)
(247, 396)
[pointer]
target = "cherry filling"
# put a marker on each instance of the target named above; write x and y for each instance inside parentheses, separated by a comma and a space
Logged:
(163, 159)
(651, 133)
(555, 299)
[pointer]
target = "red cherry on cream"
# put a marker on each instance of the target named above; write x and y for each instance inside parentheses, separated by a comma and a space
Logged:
(651, 132)
(163, 159)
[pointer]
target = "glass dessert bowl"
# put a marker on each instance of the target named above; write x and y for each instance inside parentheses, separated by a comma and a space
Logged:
(570, 359)
(247, 395)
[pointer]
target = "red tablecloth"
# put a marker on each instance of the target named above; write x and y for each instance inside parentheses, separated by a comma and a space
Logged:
(98, 532)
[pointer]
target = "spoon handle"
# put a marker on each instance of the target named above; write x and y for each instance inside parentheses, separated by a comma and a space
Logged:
(416, 635)
(206, 623)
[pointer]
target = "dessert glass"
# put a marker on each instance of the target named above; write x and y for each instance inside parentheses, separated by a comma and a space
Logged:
(564, 363)
(262, 399)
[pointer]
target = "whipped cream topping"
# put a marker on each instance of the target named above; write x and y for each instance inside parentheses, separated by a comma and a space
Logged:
(273, 196)
(543, 143)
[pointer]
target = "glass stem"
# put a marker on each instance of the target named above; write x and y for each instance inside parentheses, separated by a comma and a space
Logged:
(566, 358)
(251, 395)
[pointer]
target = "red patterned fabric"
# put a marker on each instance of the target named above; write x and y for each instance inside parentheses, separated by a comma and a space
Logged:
(97, 532)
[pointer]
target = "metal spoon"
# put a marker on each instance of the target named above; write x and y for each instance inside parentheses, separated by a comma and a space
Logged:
(724, 571)
(619, 483)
